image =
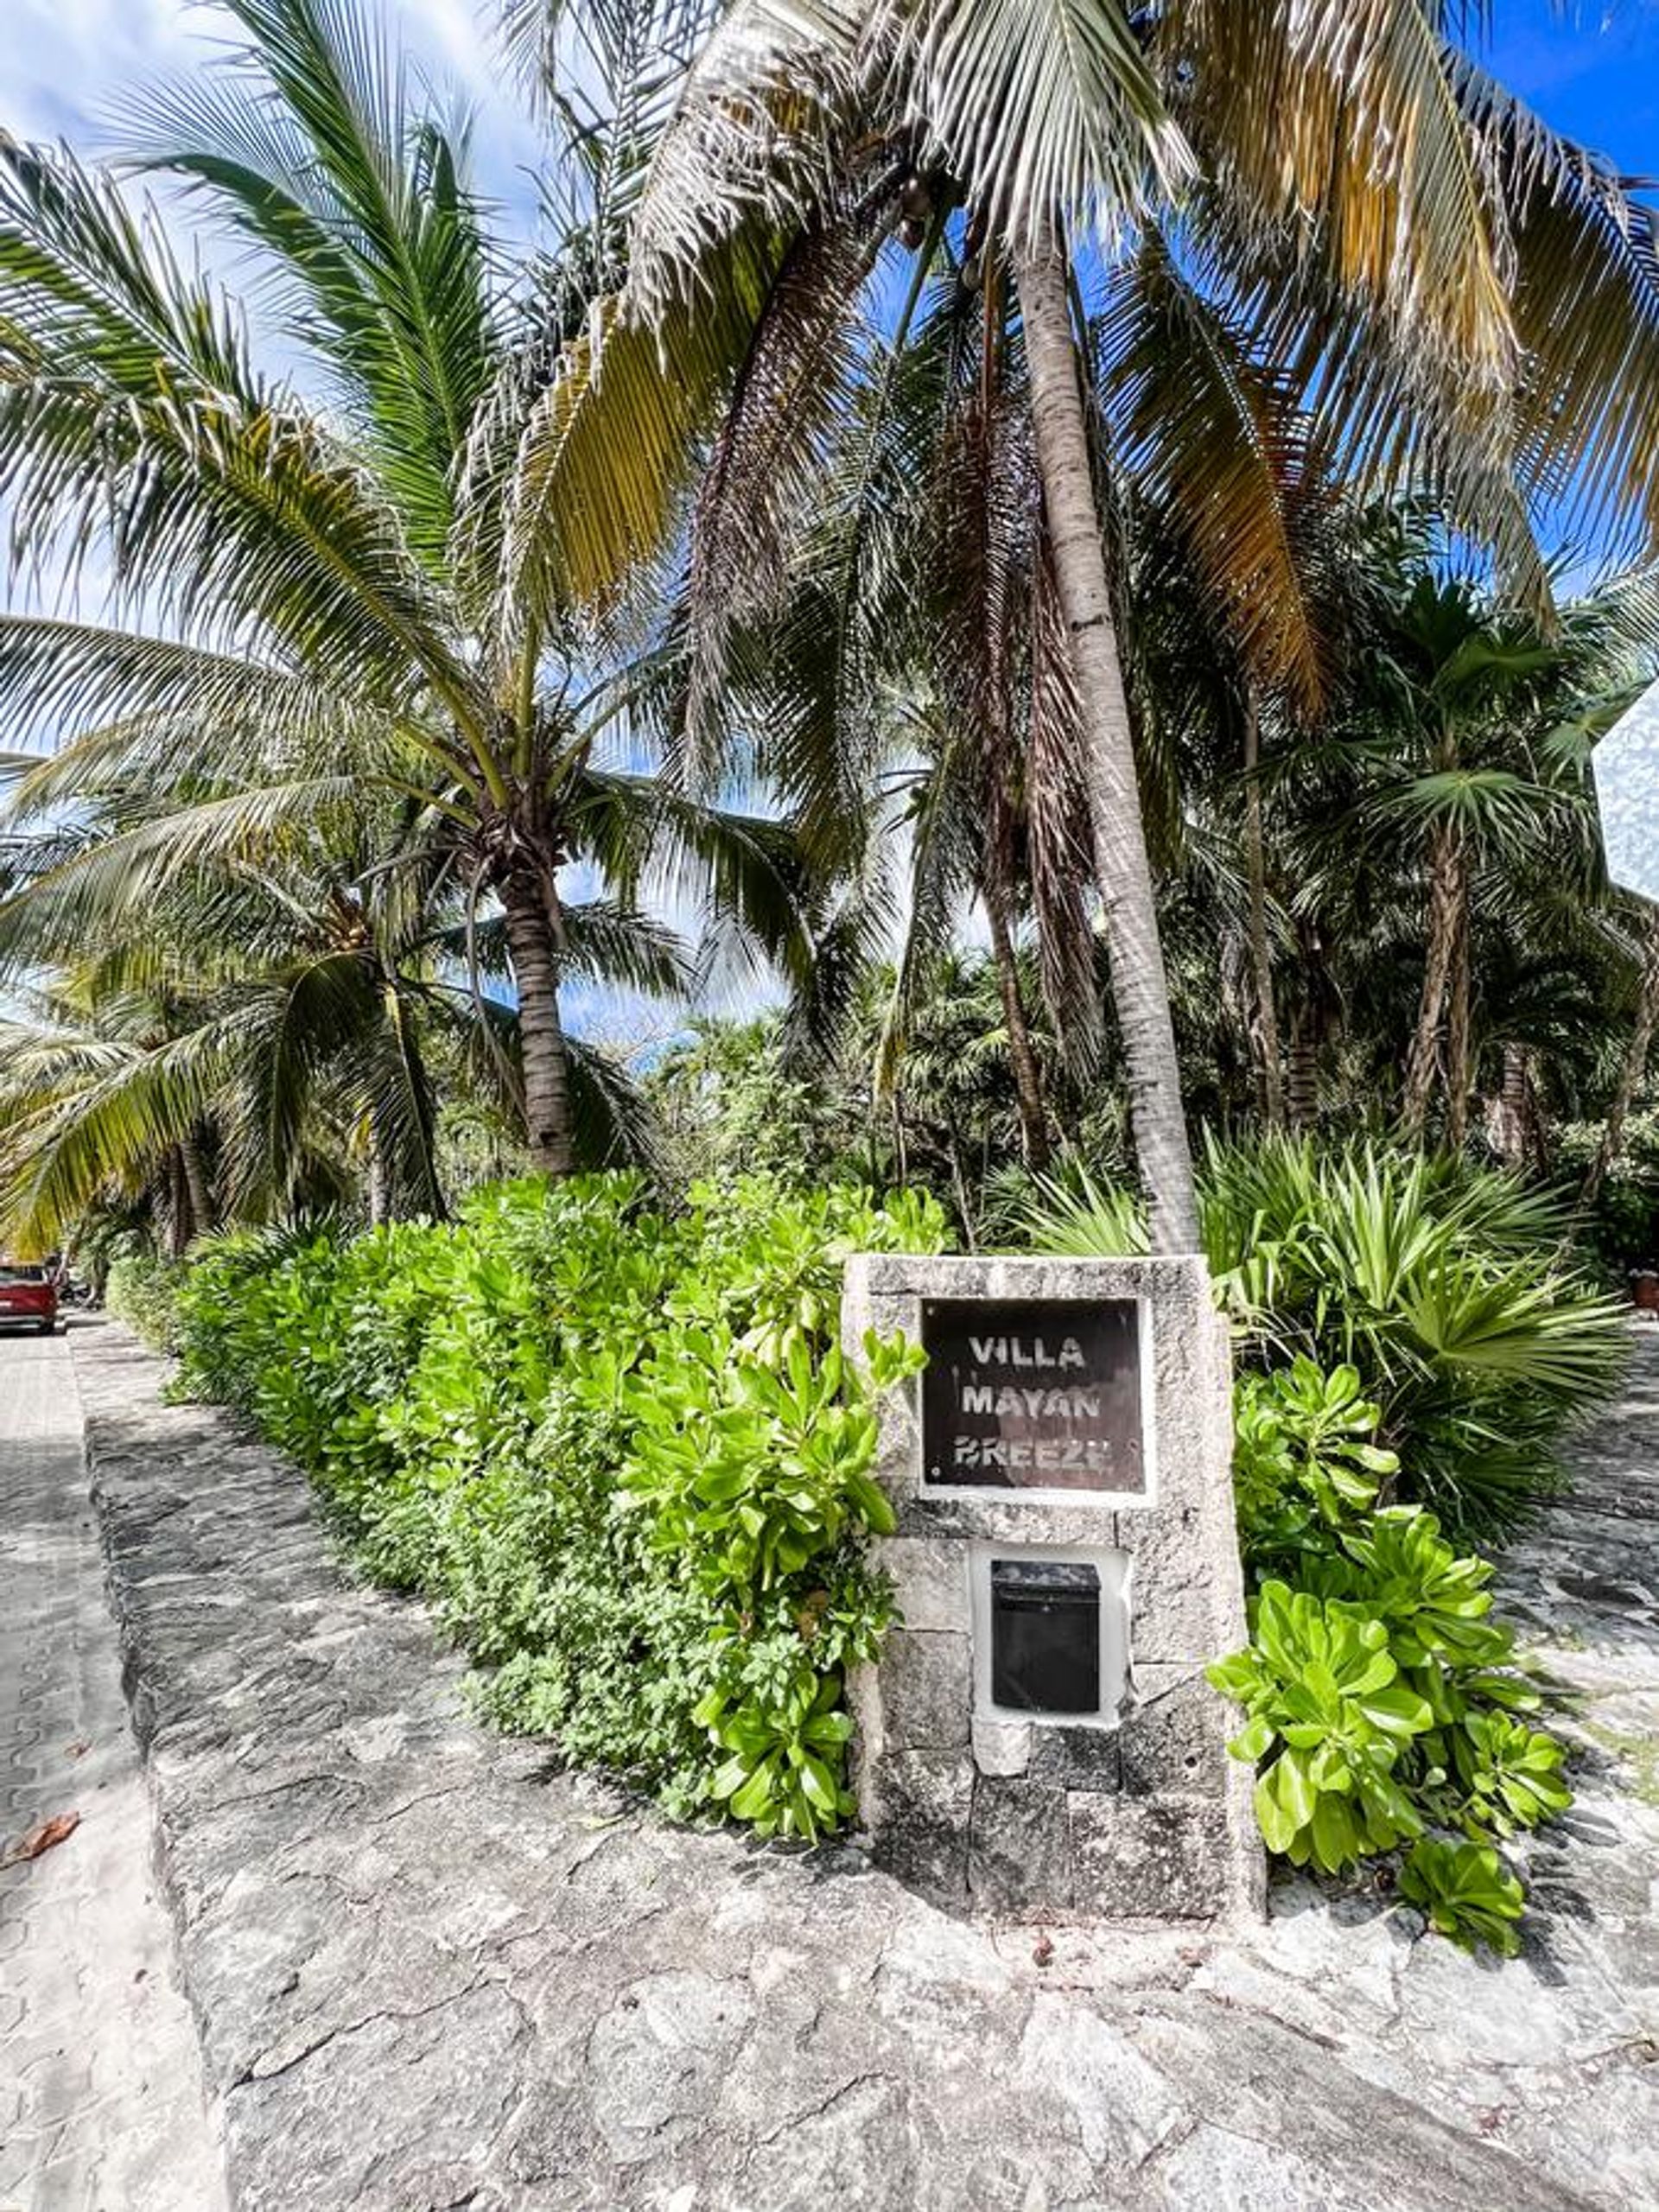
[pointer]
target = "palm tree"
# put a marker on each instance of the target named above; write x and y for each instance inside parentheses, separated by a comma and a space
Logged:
(1448, 290)
(376, 575)
(284, 1007)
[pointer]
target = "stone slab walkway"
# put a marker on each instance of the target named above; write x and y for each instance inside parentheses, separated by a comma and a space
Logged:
(431, 1971)
(100, 2080)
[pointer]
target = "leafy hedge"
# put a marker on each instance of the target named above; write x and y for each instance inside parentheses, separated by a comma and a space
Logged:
(143, 1290)
(1622, 1228)
(617, 1449)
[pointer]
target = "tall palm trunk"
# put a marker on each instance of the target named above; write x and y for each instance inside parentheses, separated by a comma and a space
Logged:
(1445, 900)
(1460, 1056)
(180, 1226)
(1028, 1076)
(196, 1183)
(1633, 1073)
(379, 1210)
(1512, 1123)
(1139, 988)
(542, 1050)
(1266, 1014)
(1302, 1089)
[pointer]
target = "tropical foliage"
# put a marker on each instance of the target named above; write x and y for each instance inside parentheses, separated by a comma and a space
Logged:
(343, 616)
(1022, 545)
(1383, 1709)
(619, 1450)
(1448, 1291)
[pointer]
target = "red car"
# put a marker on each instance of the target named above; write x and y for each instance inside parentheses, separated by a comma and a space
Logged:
(29, 1296)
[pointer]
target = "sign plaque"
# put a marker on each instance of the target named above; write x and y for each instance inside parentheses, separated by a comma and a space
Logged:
(1042, 1396)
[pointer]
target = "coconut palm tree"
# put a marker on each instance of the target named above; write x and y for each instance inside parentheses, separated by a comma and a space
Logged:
(1448, 291)
(370, 571)
(274, 1010)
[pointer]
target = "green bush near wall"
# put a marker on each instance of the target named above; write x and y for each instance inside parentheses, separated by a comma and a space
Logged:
(1455, 1291)
(143, 1290)
(619, 1450)
(1383, 1707)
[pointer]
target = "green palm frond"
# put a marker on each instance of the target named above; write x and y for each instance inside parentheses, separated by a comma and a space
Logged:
(155, 709)
(309, 142)
(102, 1125)
(1585, 291)
(115, 877)
(133, 421)
(1215, 441)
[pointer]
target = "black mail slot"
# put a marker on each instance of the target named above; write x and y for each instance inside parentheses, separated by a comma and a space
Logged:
(1046, 1635)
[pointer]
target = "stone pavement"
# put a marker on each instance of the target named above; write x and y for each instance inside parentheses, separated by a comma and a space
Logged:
(100, 2079)
(431, 1971)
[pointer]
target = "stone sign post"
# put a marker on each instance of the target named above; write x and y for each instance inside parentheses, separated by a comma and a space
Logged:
(1037, 1735)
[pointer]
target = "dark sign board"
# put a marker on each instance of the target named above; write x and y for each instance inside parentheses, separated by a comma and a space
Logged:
(1041, 1396)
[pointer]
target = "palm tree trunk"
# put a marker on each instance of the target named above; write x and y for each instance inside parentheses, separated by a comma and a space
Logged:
(543, 1052)
(195, 1182)
(1266, 1014)
(1028, 1076)
(1509, 1117)
(1459, 1071)
(377, 1179)
(179, 1224)
(1139, 988)
(1632, 1074)
(1445, 872)
(1302, 1088)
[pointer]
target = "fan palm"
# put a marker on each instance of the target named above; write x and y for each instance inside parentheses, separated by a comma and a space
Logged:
(1449, 290)
(1449, 794)
(371, 575)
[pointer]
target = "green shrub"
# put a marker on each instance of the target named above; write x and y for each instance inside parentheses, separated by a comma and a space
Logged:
(1304, 1461)
(1380, 1697)
(618, 1449)
(143, 1290)
(1622, 1228)
(1465, 1891)
(1328, 1720)
(1445, 1287)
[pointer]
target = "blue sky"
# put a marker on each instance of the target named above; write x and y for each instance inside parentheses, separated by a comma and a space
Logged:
(1593, 70)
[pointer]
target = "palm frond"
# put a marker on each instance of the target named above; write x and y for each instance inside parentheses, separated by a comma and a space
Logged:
(1050, 112)
(1215, 441)
(307, 143)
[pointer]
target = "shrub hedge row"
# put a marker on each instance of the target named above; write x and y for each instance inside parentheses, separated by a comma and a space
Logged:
(619, 1450)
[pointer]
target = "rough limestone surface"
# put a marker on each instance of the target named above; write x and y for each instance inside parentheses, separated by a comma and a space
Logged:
(1147, 1817)
(101, 2106)
(429, 1970)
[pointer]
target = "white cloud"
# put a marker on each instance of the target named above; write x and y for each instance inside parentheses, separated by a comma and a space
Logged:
(65, 64)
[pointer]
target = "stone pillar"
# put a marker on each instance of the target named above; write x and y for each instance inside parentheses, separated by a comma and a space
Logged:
(1135, 1811)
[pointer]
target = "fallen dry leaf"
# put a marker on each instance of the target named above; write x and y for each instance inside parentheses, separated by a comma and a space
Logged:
(76, 1750)
(43, 1838)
